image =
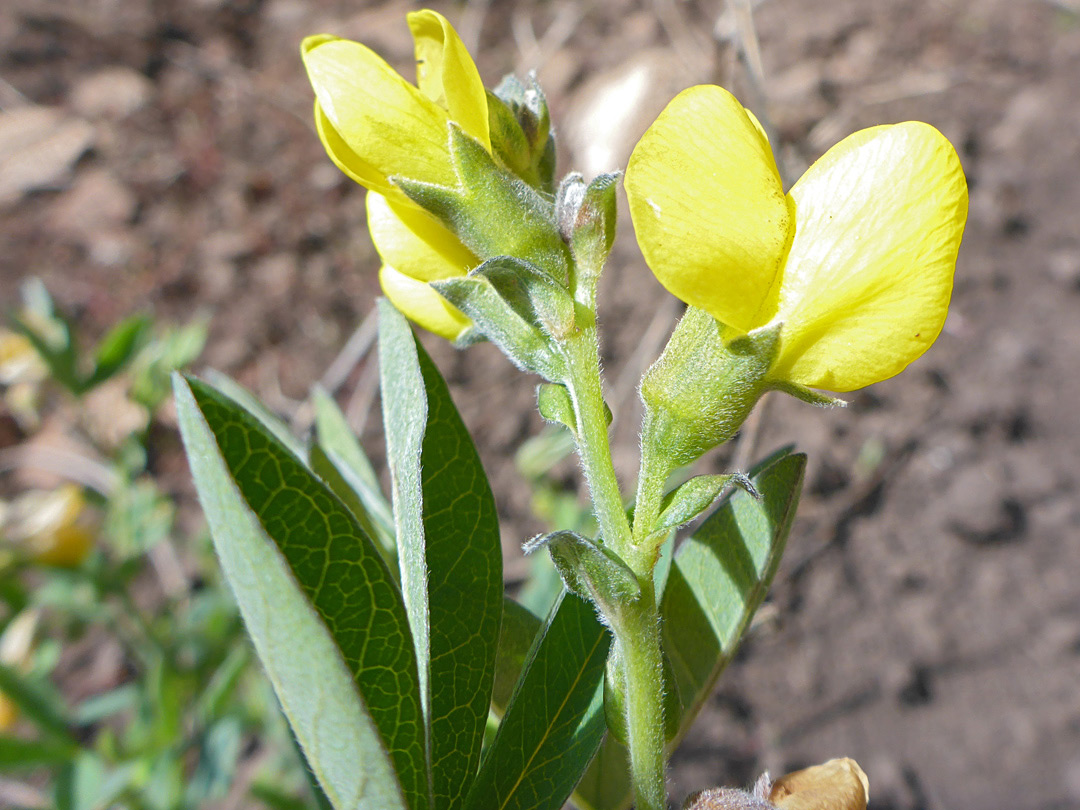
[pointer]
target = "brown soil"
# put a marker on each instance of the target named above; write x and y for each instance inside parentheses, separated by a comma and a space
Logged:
(927, 618)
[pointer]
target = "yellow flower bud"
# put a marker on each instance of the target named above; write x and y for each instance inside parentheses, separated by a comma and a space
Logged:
(376, 126)
(855, 262)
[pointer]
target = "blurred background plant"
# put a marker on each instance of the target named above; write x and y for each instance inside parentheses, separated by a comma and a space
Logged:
(124, 677)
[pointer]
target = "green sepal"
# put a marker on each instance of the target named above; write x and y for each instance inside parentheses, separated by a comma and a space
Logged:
(615, 699)
(533, 293)
(586, 215)
(702, 388)
(493, 212)
(502, 322)
(808, 395)
(589, 570)
(693, 497)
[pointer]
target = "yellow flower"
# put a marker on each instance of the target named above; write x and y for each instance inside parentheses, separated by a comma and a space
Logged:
(856, 262)
(16, 649)
(376, 126)
(50, 527)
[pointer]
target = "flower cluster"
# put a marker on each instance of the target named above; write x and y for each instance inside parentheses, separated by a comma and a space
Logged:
(854, 264)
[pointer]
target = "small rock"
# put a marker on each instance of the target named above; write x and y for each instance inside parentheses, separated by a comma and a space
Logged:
(115, 92)
(38, 148)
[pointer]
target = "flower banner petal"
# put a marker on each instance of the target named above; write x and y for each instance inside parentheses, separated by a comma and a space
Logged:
(415, 243)
(389, 124)
(708, 207)
(422, 305)
(446, 73)
(869, 275)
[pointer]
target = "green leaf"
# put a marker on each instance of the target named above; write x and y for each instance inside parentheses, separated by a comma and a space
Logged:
(335, 478)
(50, 333)
(555, 406)
(116, 348)
(531, 292)
(250, 403)
(721, 574)
(80, 785)
(320, 606)
(335, 437)
(717, 581)
(555, 720)
(38, 701)
(519, 628)
(219, 751)
(450, 553)
(16, 752)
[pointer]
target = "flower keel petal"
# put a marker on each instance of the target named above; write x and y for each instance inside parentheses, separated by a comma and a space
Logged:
(422, 305)
(414, 243)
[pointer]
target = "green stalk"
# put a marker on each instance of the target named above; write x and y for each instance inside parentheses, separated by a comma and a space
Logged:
(583, 372)
(637, 636)
(636, 626)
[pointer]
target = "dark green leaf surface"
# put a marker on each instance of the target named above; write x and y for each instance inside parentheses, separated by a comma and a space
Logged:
(519, 628)
(250, 403)
(721, 574)
(450, 553)
(555, 720)
(318, 602)
(335, 437)
(717, 581)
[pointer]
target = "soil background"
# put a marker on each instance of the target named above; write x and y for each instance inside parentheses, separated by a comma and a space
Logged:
(926, 619)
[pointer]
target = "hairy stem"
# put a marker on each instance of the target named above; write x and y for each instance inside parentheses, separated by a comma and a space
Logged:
(636, 625)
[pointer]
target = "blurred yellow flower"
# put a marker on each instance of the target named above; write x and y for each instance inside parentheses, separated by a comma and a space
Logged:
(16, 646)
(376, 126)
(856, 261)
(50, 527)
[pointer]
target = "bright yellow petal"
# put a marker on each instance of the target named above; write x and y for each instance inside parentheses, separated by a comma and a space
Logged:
(446, 73)
(389, 125)
(346, 159)
(420, 303)
(709, 208)
(867, 283)
(415, 243)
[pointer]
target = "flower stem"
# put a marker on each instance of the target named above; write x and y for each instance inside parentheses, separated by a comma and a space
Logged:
(637, 636)
(583, 382)
(635, 625)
